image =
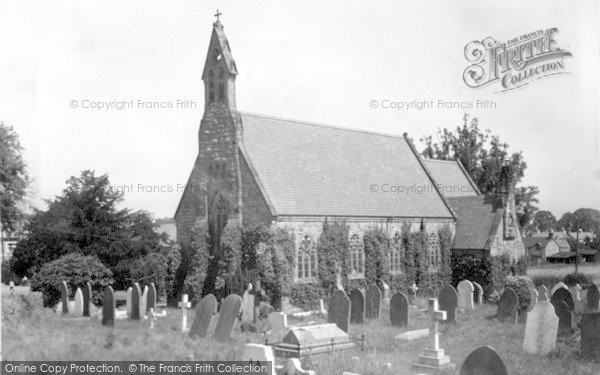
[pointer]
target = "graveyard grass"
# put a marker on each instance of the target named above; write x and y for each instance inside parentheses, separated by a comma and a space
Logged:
(44, 335)
(561, 270)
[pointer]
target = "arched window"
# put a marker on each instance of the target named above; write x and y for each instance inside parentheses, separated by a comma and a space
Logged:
(221, 85)
(396, 253)
(211, 87)
(433, 249)
(357, 255)
(306, 261)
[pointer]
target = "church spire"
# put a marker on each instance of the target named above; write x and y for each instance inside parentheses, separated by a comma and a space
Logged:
(219, 69)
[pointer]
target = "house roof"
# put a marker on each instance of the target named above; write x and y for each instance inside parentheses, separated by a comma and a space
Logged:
(532, 241)
(310, 169)
(477, 222)
(452, 179)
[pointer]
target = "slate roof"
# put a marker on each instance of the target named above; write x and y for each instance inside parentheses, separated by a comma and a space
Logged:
(532, 241)
(308, 169)
(451, 177)
(477, 222)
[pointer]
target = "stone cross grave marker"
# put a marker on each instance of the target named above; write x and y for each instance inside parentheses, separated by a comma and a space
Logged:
(205, 311)
(339, 310)
(152, 317)
(64, 297)
(78, 310)
(136, 295)
(357, 310)
(434, 358)
(184, 304)
(88, 294)
(399, 310)
(373, 301)
(557, 286)
(128, 302)
(151, 300)
(478, 293)
(248, 305)
(108, 307)
(508, 306)
(465, 295)
(540, 329)
(448, 302)
(230, 309)
(542, 293)
(592, 298)
(322, 307)
(534, 299)
(590, 335)
(483, 361)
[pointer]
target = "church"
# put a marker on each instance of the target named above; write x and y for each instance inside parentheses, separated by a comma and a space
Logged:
(293, 174)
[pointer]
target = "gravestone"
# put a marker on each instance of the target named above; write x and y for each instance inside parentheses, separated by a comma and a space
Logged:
(144, 303)
(565, 317)
(465, 295)
(373, 302)
(508, 306)
(339, 310)
(64, 297)
(478, 293)
(434, 359)
(230, 309)
(78, 309)
(557, 286)
(399, 310)
(357, 310)
(483, 361)
(590, 335)
(313, 340)
(87, 298)
(542, 293)
(108, 307)
(278, 320)
(534, 299)
(248, 305)
(386, 291)
(592, 298)
(578, 303)
(541, 329)
(204, 314)
(151, 300)
(184, 304)
(128, 302)
(136, 295)
(448, 302)
(260, 355)
(563, 294)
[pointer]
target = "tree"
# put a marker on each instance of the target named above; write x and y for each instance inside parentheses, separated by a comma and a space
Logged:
(84, 219)
(14, 179)
(483, 155)
(544, 220)
(586, 219)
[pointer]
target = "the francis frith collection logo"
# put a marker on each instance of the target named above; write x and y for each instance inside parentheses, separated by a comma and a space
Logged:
(514, 63)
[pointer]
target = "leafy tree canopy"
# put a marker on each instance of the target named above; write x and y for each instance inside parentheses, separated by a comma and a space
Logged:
(14, 179)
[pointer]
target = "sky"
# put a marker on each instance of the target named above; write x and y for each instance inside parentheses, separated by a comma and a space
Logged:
(341, 63)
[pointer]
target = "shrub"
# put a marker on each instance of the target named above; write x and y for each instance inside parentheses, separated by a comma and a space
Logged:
(151, 268)
(573, 279)
(376, 244)
(174, 258)
(198, 257)
(306, 296)
(523, 286)
(474, 268)
(76, 270)
(332, 251)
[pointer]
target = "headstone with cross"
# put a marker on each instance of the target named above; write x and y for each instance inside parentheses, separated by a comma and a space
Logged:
(433, 359)
(152, 317)
(184, 304)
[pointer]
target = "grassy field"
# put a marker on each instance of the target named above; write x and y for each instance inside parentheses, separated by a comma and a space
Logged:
(561, 270)
(44, 335)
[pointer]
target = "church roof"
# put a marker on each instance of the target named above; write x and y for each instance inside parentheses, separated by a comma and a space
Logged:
(476, 224)
(453, 180)
(307, 169)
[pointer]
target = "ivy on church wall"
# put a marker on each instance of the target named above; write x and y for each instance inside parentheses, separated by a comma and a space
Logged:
(231, 248)
(332, 255)
(199, 258)
(377, 247)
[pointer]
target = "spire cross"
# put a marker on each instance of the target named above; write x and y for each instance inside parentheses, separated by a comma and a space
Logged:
(217, 15)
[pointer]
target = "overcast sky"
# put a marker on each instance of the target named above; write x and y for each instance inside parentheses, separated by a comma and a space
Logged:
(310, 60)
